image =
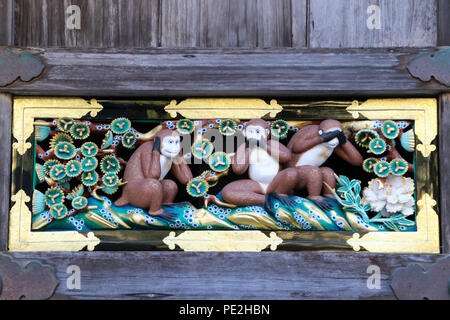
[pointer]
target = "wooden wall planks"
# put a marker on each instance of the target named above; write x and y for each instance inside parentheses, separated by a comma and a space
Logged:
(224, 275)
(343, 24)
(5, 166)
(168, 23)
(444, 170)
(6, 22)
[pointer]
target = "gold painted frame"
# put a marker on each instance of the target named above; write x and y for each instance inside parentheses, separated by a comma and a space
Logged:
(422, 111)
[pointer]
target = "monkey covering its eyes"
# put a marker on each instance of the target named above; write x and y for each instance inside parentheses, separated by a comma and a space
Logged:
(311, 147)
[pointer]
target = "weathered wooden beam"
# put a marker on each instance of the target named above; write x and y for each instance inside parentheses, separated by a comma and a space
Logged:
(443, 23)
(222, 275)
(5, 166)
(444, 170)
(6, 22)
(263, 73)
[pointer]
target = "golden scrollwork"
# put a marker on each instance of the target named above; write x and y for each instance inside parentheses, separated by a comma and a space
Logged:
(422, 111)
(26, 109)
(21, 238)
(211, 108)
(200, 240)
(424, 240)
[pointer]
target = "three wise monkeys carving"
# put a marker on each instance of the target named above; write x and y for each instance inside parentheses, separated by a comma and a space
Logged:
(274, 170)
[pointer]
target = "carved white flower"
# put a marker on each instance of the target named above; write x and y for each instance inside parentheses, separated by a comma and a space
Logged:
(393, 196)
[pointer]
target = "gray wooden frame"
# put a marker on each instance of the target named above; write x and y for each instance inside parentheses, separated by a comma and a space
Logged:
(227, 72)
(277, 73)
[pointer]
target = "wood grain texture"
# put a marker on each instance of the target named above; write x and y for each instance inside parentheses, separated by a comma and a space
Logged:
(5, 166)
(444, 169)
(343, 24)
(202, 276)
(6, 22)
(262, 73)
(104, 23)
(157, 23)
(443, 23)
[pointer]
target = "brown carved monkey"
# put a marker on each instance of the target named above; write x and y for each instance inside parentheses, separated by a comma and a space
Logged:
(146, 169)
(261, 156)
(311, 146)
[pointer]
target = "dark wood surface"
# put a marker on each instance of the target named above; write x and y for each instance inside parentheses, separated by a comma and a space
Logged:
(343, 24)
(226, 72)
(5, 166)
(215, 275)
(6, 22)
(443, 23)
(228, 23)
(444, 169)
(167, 23)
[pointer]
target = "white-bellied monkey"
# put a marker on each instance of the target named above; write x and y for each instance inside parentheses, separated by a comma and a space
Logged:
(311, 146)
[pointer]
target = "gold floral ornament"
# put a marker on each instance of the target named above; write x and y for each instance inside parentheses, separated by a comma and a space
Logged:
(21, 238)
(27, 109)
(200, 240)
(422, 111)
(231, 108)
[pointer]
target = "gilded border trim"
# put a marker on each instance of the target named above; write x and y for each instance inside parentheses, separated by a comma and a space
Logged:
(21, 238)
(422, 111)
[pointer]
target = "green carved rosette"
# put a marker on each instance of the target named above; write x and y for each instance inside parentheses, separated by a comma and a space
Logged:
(65, 151)
(365, 136)
(197, 187)
(399, 167)
(58, 172)
(202, 149)
(80, 131)
(382, 169)
(53, 196)
(227, 127)
(129, 140)
(279, 129)
(79, 203)
(110, 180)
(185, 126)
(369, 164)
(110, 164)
(219, 161)
(48, 165)
(120, 125)
(73, 168)
(65, 124)
(58, 211)
(90, 178)
(390, 129)
(89, 149)
(377, 146)
(89, 164)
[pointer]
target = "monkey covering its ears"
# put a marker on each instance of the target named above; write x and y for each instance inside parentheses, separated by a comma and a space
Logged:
(146, 187)
(311, 147)
(261, 157)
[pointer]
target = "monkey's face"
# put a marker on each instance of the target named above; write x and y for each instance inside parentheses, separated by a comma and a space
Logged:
(170, 146)
(256, 132)
(329, 126)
